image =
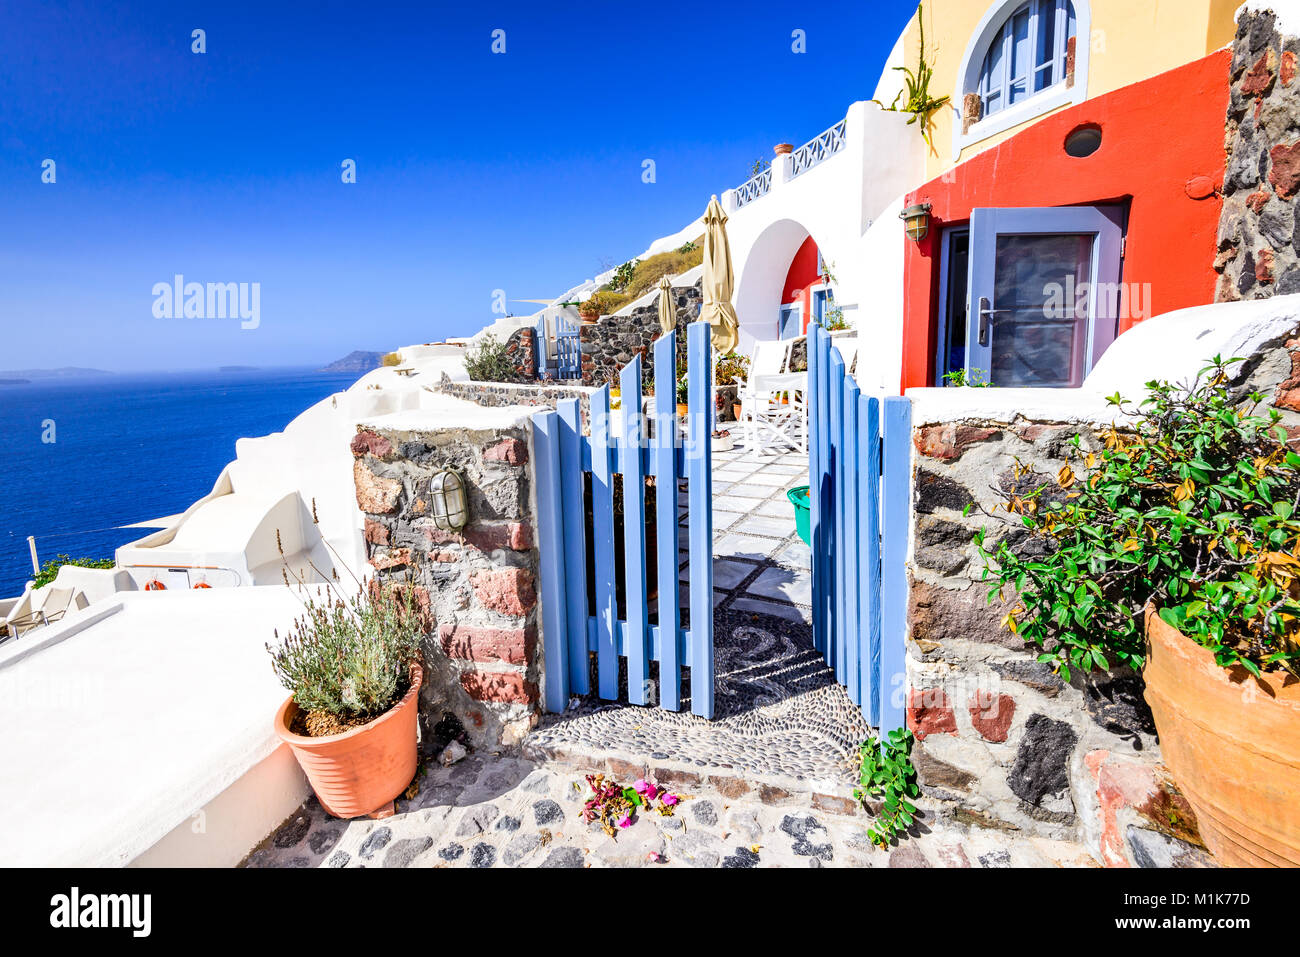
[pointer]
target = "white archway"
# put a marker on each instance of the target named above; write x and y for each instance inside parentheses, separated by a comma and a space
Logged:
(761, 278)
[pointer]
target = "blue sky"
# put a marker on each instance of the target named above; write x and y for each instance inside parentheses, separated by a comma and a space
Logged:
(475, 171)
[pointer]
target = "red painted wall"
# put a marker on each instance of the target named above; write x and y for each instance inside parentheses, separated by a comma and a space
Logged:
(802, 276)
(1157, 136)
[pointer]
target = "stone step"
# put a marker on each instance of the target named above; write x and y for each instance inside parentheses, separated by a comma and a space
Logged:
(832, 794)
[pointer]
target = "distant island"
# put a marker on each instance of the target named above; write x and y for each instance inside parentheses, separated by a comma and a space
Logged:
(67, 372)
(356, 362)
(237, 369)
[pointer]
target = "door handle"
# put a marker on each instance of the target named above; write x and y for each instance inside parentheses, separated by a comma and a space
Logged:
(985, 312)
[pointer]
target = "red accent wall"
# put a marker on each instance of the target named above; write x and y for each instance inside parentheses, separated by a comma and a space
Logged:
(802, 276)
(1157, 136)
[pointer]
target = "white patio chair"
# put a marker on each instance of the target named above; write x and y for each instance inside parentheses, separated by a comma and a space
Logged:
(771, 357)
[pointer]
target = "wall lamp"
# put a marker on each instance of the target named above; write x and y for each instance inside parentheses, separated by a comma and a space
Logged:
(916, 221)
(447, 503)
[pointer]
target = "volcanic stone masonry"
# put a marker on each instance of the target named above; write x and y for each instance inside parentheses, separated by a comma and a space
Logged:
(1259, 235)
(477, 588)
(1002, 740)
(610, 344)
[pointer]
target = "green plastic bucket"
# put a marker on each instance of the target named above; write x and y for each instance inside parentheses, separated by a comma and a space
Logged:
(802, 507)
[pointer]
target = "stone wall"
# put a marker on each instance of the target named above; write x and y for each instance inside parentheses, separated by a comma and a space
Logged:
(477, 588)
(610, 344)
(1259, 234)
(502, 394)
(521, 347)
(1002, 741)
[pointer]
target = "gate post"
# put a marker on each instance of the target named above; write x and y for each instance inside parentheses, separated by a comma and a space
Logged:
(550, 544)
(700, 474)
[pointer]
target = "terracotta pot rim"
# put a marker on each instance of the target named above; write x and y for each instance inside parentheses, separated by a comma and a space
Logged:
(284, 715)
(1279, 684)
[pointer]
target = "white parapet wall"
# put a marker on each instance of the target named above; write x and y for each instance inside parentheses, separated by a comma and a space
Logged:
(148, 735)
(839, 202)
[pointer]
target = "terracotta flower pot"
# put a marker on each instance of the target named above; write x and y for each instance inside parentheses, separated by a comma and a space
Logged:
(682, 408)
(361, 770)
(1233, 745)
(589, 318)
(735, 410)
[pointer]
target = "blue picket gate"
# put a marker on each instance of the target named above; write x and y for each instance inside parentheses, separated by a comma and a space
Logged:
(577, 528)
(568, 349)
(859, 464)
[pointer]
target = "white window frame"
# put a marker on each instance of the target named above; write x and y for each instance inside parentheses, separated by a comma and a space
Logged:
(1055, 96)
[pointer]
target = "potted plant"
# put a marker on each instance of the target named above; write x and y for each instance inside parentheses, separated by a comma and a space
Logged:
(351, 665)
(1177, 551)
(683, 395)
(590, 309)
(722, 441)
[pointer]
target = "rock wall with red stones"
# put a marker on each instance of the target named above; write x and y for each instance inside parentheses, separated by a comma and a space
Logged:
(477, 587)
(1259, 235)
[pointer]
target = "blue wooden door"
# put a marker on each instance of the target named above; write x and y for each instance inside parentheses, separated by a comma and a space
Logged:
(1044, 293)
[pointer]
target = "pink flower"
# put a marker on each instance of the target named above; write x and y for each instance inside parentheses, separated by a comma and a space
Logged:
(646, 789)
(625, 821)
(654, 857)
(670, 799)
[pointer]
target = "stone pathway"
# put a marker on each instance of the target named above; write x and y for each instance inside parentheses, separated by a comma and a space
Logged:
(507, 811)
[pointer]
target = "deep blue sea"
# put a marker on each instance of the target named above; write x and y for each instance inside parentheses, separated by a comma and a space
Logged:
(127, 448)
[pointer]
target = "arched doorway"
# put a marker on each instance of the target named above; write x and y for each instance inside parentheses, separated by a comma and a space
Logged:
(779, 285)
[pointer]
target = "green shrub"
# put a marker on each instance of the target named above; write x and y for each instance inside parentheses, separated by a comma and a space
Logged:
(50, 569)
(623, 275)
(1193, 508)
(350, 657)
(491, 362)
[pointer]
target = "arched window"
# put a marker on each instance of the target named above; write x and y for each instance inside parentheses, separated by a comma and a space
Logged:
(1028, 55)
(1026, 58)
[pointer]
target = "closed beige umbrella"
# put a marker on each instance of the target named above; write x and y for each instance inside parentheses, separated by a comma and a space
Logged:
(667, 311)
(719, 280)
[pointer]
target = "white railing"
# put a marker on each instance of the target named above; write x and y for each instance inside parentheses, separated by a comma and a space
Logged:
(752, 189)
(818, 149)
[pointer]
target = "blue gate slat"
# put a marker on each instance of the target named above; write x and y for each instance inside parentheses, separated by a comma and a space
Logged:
(852, 537)
(572, 446)
(700, 418)
(602, 507)
(638, 612)
(869, 555)
(550, 543)
(664, 466)
(822, 553)
(835, 389)
(814, 479)
(896, 491)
